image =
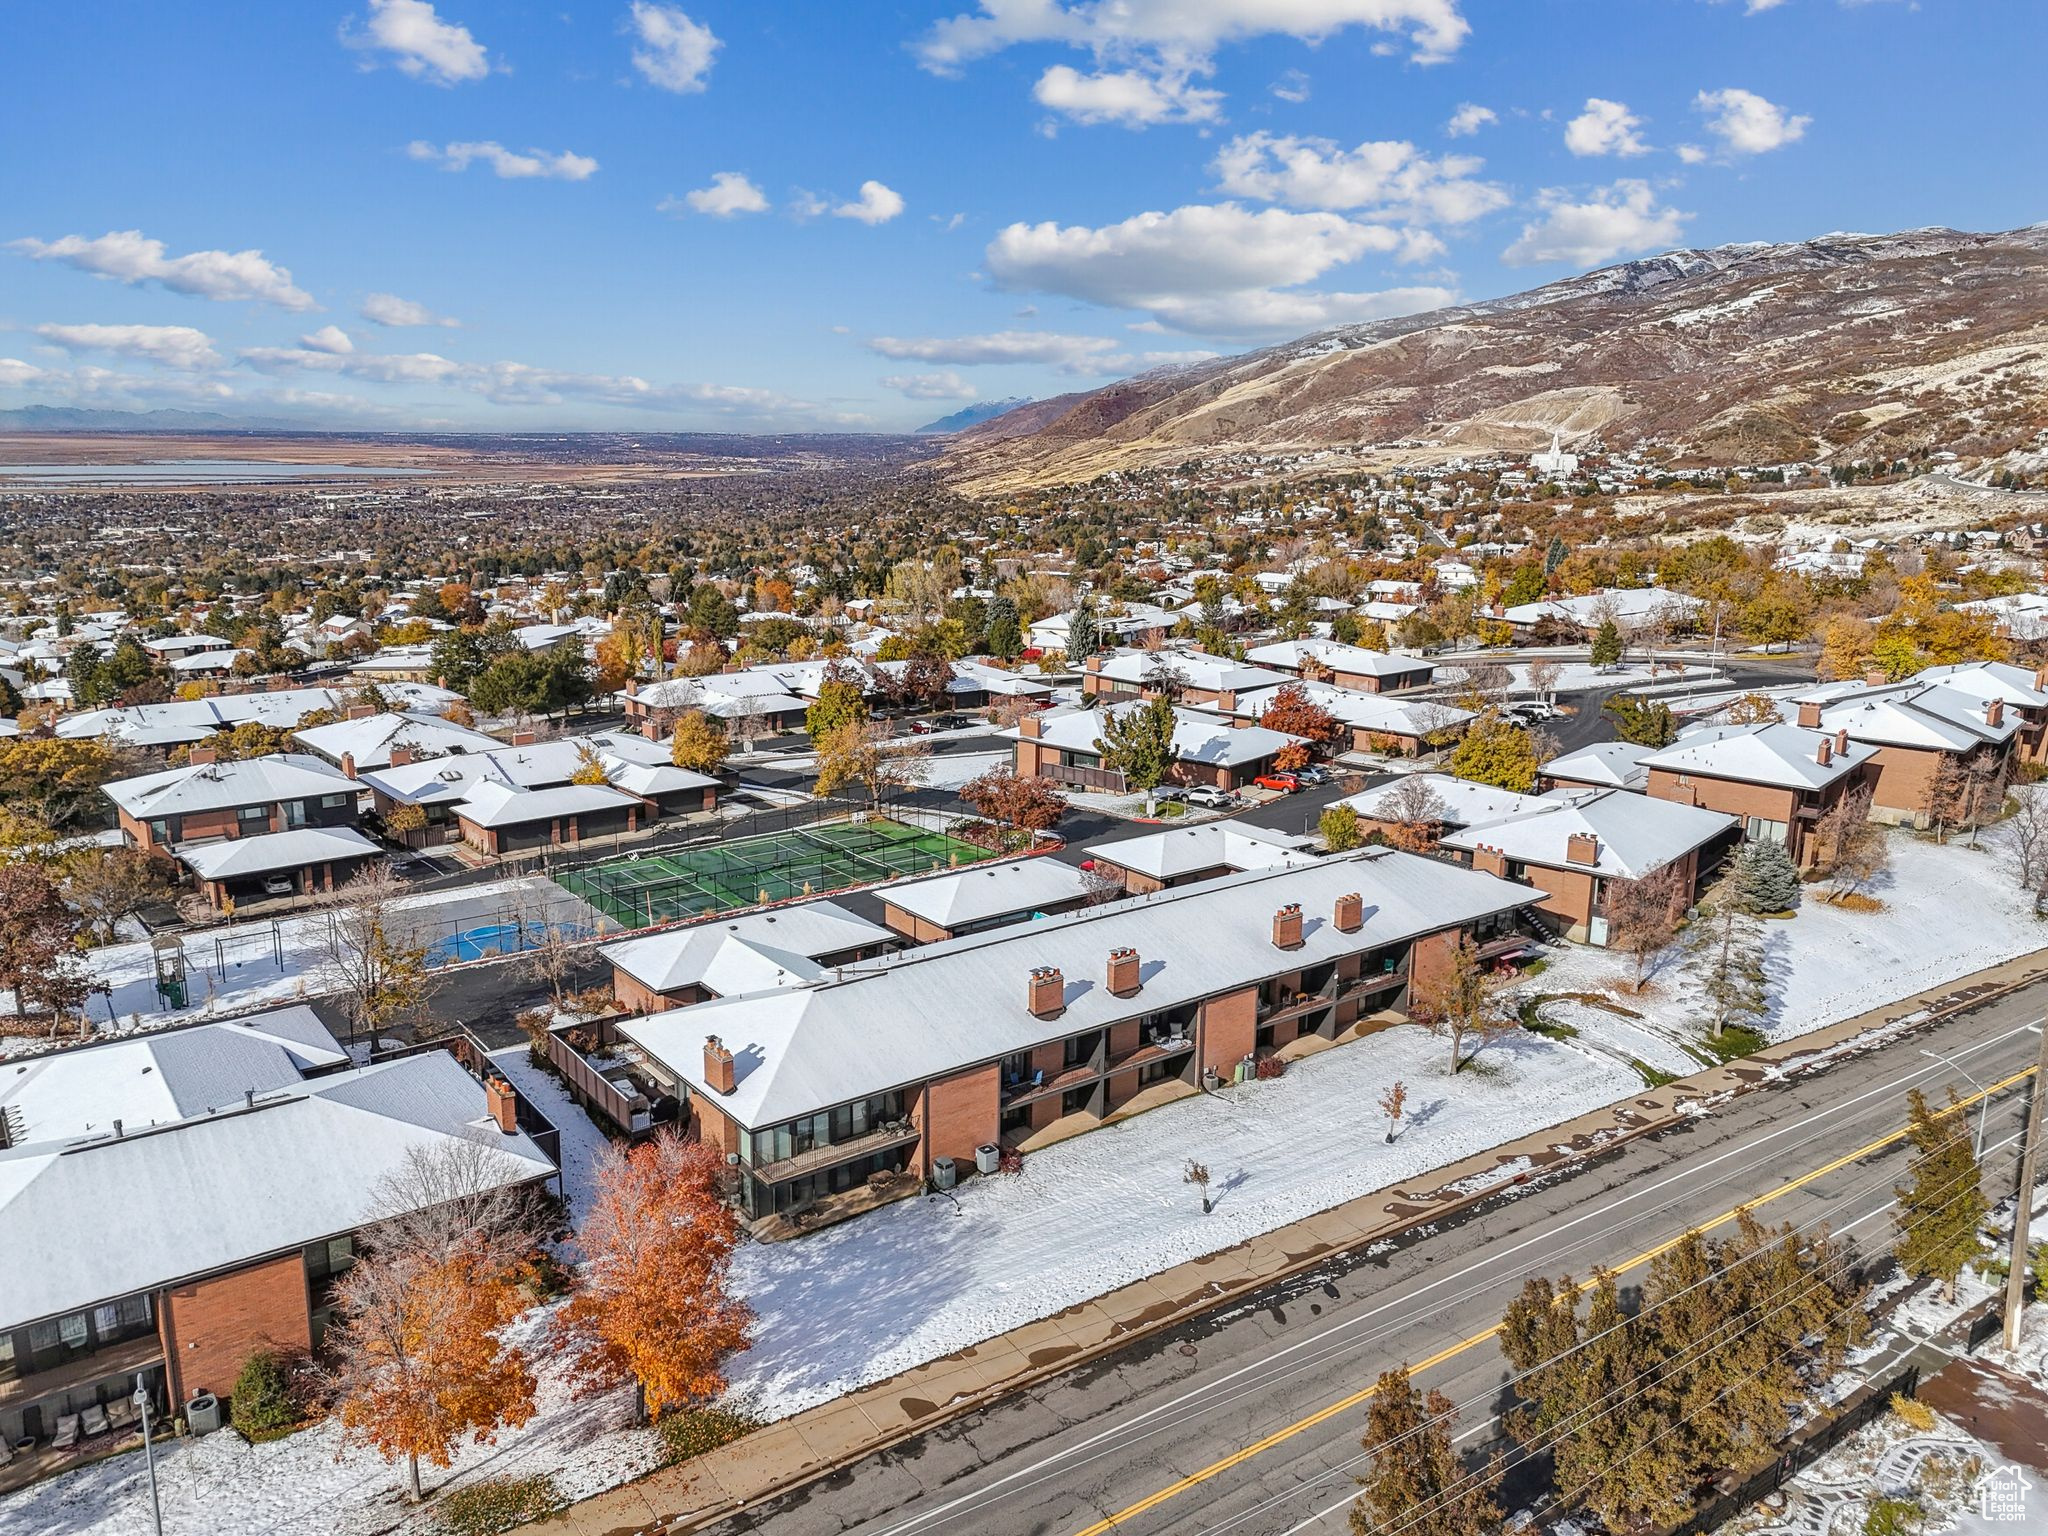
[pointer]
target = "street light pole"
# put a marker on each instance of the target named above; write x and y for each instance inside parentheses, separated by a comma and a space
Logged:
(2023, 1205)
(1983, 1096)
(156, 1508)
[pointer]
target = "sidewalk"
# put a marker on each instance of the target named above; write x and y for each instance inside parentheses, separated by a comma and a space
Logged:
(833, 1435)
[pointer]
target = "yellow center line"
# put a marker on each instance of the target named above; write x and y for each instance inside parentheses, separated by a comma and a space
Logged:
(1344, 1404)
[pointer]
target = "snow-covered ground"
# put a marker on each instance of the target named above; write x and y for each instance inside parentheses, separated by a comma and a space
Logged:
(582, 1141)
(952, 770)
(240, 966)
(1949, 910)
(859, 1302)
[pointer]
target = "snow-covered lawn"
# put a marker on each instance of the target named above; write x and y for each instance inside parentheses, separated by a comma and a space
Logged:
(240, 966)
(1949, 910)
(952, 770)
(582, 1141)
(859, 1302)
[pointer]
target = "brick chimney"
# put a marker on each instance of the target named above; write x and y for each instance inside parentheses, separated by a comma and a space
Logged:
(1842, 742)
(650, 730)
(1875, 678)
(1488, 860)
(1123, 972)
(1094, 663)
(503, 1100)
(632, 686)
(1350, 914)
(1809, 714)
(1030, 726)
(1825, 753)
(1047, 997)
(361, 711)
(1994, 713)
(1226, 700)
(348, 765)
(1582, 848)
(522, 738)
(718, 1069)
(1287, 926)
(2041, 678)
(199, 757)
(400, 756)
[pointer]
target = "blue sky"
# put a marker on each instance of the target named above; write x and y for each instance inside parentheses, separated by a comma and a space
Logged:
(834, 214)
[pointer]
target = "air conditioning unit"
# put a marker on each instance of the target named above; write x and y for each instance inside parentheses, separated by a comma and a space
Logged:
(944, 1174)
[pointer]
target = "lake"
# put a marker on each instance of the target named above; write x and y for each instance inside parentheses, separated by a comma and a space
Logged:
(194, 472)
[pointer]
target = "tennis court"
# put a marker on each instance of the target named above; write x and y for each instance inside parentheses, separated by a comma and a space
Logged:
(654, 888)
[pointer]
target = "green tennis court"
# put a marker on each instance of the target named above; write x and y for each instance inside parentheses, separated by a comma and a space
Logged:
(639, 891)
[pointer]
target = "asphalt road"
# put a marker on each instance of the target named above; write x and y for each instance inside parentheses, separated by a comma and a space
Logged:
(1247, 1423)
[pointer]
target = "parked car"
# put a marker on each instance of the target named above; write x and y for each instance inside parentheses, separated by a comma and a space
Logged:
(1166, 792)
(1210, 798)
(1281, 782)
(278, 885)
(1313, 774)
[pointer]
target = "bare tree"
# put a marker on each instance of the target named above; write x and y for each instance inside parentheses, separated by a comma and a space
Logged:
(1836, 830)
(1543, 678)
(1101, 884)
(1860, 855)
(1947, 793)
(1197, 1174)
(1461, 1003)
(2026, 846)
(749, 726)
(1985, 781)
(1416, 813)
(1643, 916)
(1484, 683)
(375, 950)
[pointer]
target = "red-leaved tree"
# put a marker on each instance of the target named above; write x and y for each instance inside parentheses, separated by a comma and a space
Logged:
(1002, 795)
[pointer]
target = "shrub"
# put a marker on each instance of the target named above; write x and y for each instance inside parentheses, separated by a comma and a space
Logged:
(1271, 1066)
(1886, 1516)
(1913, 1413)
(265, 1403)
(1736, 1040)
(498, 1504)
(692, 1432)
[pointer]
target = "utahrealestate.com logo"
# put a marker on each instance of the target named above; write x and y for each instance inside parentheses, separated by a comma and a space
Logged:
(2001, 1495)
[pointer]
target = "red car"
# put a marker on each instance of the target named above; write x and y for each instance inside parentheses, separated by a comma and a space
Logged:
(1285, 783)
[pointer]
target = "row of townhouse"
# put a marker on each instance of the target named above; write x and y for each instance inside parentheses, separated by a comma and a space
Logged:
(175, 1202)
(778, 693)
(831, 1065)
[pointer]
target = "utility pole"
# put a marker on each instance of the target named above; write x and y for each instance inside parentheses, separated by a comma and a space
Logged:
(2023, 1206)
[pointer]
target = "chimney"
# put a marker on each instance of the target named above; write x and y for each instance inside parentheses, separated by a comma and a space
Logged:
(1350, 914)
(1487, 860)
(632, 686)
(1094, 663)
(522, 738)
(503, 1102)
(1875, 679)
(718, 1071)
(1287, 926)
(348, 765)
(1047, 998)
(1994, 713)
(361, 711)
(2041, 678)
(400, 756)
(650, 730)
(1842, 742)
(1809, 714)
(201, 756)
(1123, 972)
(1030, 726)
(1582, 848)
(1825, 753)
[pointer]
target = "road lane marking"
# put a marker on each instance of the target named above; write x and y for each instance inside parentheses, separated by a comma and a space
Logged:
(1345, 1404)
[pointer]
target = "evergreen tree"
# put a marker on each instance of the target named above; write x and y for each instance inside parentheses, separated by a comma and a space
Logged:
(84, 670)
(10, 698)
(1770, 880)
(1554, 556)
(1082, 639)
(1942, 1206)
(1005, 637)
(1646, 722)
(1607, 644)
(1138, 742)
(1725, 954)
(1415, 1485)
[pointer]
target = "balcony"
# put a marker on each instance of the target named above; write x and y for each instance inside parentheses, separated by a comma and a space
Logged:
(124, 1358)
(882, 1138)
(1151, 1051)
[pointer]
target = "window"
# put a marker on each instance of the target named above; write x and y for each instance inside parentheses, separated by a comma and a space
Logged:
(254, 813)
(333, 802)
(6, 1356)
(1761, 830)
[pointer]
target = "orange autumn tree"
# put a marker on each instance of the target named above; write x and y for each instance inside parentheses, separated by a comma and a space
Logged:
(420, 1358)
(653, 1308)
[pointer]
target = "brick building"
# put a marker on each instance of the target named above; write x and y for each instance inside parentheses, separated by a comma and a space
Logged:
(1343, 666)
(1929, 741)
(1065, 745)
(1778, 780)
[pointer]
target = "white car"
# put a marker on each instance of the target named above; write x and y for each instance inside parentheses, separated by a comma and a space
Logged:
(1210, 798)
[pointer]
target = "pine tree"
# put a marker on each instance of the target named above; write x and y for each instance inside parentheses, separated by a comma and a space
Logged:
(1082, 640)
(1942, 1206)
(1138, 742)
(1725, 955)
(1415, 1484)
(1554, 556)
(1005, 637)
(1607, 644)
(1770, 880)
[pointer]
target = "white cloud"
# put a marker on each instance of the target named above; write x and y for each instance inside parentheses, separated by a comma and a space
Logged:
(420, 43)
(1213, 270)
(729, 194)
(1605, 128)
(329, 338)
(174, 346)
(509, 165)
(1747, 124)
(1390, 176)
(128, 256)
(1184, 31)
(1132, 98)
(14, 373)
(1469, 119)
(390, 309)
(675, 52)
(1616, 220)
(944, 385)
(1086, 356)
(876, 204)
(1292, 86)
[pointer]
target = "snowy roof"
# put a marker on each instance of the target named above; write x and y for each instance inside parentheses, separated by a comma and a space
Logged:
(1393, 714)
(1633, 834)
(1291, 654)
(491, 804)
(1195, 669)
(369, 740)
(1947, 716)
(1787, 756)
(2023, 615)
(188, 720)
(922, 1013)
(1625, 604)
(996, 681)
(1212, 845)
(989, 891)
(297, 848)
(1197, 737)
(746, 954)
(170, 1075)
(223, 786)
(623, 754)
(218, 1190)
(1615, 763)
(206, 661)
(2018, 686)
(1465, 803)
